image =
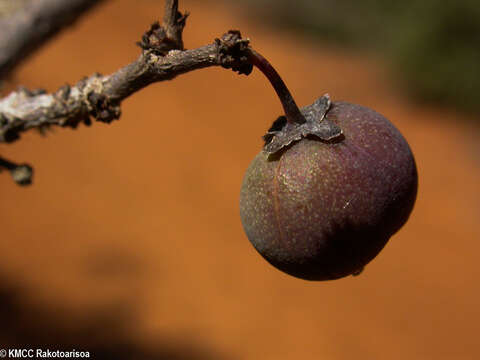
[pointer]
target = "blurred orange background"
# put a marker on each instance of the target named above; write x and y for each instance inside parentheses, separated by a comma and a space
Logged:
(129, 243)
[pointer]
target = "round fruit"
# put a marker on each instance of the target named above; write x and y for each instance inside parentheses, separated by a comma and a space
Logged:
(321, 210)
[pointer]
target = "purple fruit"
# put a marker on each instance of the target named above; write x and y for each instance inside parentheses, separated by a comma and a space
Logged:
(322, 209)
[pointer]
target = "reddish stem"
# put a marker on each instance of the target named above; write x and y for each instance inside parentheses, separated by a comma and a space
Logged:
(292, 112)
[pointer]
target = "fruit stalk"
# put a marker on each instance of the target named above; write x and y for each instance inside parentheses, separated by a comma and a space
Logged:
(292, 112)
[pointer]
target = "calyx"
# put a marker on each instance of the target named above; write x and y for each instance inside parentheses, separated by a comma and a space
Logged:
(282, 132)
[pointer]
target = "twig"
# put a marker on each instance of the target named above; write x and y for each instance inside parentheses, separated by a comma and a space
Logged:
(168, 36)
(27, 29)
(174, 22)
(100, 96)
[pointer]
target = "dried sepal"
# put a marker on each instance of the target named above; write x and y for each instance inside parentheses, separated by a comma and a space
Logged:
(282, 133)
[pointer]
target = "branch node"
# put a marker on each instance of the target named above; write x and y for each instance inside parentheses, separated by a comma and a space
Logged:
(63, 92)
(8, 130)
(160, 39)
(156, 40)
(102, 109)
(233, 52)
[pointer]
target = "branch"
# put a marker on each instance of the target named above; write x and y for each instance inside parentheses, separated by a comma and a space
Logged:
(100, 96)
(27, 29)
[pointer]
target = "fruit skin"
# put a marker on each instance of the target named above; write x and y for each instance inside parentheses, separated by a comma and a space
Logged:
(322, 211)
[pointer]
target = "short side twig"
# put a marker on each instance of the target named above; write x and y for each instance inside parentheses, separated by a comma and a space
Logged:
(21, 173)
(168, 36)
(174, 22)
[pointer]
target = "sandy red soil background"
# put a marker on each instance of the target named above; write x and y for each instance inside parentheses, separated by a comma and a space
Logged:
(129, 243)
